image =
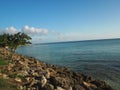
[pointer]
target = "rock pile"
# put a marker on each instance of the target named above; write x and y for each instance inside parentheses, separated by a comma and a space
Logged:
(31, 74)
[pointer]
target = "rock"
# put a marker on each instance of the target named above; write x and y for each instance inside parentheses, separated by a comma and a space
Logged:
(38, 63)
(89, 85)
(43, 81)
(53, 81)
(38, 75)
(59, 81)
(47, 74)
(18, 80)
(23, 73)
(101, 85)
(10, 66)
(48, 87)
(59, 88)
(35, 74)
(28, 88)
(52, 71)
(28, 79)
(23, 63)
(33, 82)
(4, 76)
(78, 87)
(98, 83)
(21, 87)
(70, 88)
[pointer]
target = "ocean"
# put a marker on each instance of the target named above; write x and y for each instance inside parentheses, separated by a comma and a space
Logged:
(97, 58)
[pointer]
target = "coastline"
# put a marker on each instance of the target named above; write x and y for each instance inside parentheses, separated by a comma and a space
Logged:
(31, 74)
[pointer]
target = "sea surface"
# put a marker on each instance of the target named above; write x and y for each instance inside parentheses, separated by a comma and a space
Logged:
(97, 58)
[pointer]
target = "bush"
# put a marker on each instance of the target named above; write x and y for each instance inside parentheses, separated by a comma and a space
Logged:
(3, 62)
(4, 85)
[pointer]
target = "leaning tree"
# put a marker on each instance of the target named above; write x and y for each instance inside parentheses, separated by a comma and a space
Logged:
(13, 41)
(18, 39)
(4, 40)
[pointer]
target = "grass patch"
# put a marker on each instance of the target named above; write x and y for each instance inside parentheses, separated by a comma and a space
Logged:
(3, 62)
(17, 76)
(4, 85)
(13, 75)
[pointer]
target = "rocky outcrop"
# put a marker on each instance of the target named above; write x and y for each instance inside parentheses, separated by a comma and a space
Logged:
(31, 74)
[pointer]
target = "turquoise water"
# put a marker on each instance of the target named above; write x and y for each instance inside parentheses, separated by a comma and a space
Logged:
(97, 58)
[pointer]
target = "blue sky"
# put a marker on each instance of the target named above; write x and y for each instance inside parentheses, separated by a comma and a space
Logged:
(61, 20)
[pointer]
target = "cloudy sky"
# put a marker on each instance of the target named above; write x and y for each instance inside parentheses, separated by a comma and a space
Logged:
(61, 20)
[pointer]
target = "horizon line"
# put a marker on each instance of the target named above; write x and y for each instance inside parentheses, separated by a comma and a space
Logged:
(78, 41)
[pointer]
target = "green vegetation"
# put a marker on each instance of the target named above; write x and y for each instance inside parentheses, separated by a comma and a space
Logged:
(13, 41)
(3, 62)
(5, 85)
(13, 75)
(16, 76)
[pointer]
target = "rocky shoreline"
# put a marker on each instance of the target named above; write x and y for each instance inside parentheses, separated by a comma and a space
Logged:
(31, 74)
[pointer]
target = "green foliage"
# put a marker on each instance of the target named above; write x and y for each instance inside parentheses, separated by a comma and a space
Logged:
(13, 75)
(3, 62)
(14, 41)
(3, 71)
(16, 76)
(4, 40)
(20, 76)
(5, 85)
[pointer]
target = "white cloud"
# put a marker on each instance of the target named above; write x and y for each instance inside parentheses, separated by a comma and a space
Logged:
(42, 35)
(26, 29)
(10, 30)
(32, 30)
(37, 34)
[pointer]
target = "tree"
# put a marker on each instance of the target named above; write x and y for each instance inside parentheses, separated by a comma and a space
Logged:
(4, 40)
(14, 41)
(19, 39)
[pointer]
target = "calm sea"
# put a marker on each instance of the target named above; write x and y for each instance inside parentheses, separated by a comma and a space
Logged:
(97, 58)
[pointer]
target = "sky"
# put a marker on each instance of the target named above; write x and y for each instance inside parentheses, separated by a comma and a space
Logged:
(61, 20)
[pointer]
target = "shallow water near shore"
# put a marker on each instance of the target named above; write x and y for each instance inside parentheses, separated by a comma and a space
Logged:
(97, 58)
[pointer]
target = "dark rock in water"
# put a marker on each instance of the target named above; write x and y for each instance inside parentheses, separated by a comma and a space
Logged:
(101, 85)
